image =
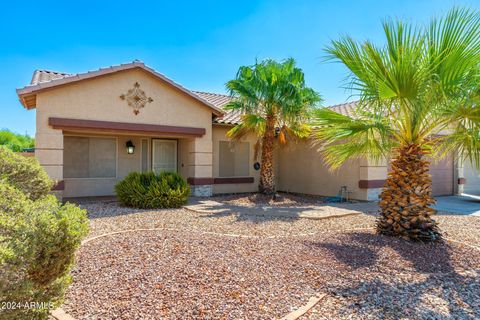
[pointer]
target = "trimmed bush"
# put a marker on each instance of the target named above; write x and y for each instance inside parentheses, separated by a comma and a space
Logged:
(150, 190)
(38, 240)
(24, 173)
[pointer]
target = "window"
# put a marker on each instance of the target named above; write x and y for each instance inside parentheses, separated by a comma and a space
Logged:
(85, 157)
(234, 159)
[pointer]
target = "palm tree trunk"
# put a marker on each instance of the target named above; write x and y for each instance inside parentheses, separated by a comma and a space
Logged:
(407, 196)
(267, 174)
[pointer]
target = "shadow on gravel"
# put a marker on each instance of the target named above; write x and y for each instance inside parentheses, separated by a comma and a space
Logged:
(264, 212)
(430, 289)
(352, 255)
(254, 215)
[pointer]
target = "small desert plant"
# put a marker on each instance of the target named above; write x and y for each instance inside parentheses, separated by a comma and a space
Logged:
(38, 239)
(24, 173)
(150, 190)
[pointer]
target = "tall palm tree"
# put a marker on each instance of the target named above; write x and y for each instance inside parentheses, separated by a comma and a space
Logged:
(275, 105)
(422, 82)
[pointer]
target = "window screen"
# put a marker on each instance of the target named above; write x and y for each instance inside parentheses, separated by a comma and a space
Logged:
(234, 159)
(85, 157)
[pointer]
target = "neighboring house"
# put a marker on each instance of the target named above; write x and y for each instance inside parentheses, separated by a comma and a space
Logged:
(94, 128)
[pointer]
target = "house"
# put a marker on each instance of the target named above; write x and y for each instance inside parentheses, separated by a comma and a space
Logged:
(93, 128)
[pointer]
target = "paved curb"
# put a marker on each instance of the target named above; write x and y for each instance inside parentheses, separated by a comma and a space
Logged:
(312, 302)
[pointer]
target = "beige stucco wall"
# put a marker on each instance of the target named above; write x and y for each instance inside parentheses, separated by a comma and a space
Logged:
(99, 99)
(301, 169)
(219, 134)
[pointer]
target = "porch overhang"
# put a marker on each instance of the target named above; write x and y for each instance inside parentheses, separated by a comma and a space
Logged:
(67, 124)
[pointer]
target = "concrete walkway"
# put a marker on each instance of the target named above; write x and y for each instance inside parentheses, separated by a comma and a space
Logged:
(460, 205)
(315, 212)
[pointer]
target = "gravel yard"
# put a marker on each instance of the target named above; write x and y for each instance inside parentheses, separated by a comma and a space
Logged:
(243, 266)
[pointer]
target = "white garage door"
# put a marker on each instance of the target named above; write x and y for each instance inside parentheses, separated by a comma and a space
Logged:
(472, 176)
(442, 176)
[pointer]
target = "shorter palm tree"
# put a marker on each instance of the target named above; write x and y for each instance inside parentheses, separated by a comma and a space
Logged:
(275, 105)
(422, 83)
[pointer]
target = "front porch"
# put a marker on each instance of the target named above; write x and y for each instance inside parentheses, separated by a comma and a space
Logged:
(92, 156)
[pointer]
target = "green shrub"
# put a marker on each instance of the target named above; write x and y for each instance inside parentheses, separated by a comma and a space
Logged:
(24, 173)
(38, 240)
(149, 190)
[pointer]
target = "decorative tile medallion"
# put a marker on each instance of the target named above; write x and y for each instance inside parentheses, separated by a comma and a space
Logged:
(136, 98)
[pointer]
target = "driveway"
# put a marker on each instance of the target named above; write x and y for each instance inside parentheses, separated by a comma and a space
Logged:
(462, 205)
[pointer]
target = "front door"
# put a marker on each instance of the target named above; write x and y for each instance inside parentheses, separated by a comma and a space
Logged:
(164, 155)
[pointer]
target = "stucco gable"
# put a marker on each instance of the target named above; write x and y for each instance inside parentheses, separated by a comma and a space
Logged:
(100, 99)
(51, 80)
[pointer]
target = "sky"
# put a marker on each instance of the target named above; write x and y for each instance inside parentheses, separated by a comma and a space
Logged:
(199, 44)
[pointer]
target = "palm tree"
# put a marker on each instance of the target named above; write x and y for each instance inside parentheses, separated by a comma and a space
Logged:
(422, 82)
(275, 105)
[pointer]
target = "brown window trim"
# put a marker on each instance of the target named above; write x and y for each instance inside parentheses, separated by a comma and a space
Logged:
(370, 184)
(124, 127)
(199, 181)
(229, 180)
(226, 180)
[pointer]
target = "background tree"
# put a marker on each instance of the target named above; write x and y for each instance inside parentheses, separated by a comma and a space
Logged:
(424, 81)
(276, 106)
(14, 141)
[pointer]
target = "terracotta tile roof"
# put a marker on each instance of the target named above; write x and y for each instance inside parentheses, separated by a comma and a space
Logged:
(346, 109)
(216, 99)
(231, 117)
(235, 117)
(43, 79)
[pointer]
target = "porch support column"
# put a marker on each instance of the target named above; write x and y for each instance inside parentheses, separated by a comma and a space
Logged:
(200, 167)
(372, 178)
(458, 175)
(49, 153)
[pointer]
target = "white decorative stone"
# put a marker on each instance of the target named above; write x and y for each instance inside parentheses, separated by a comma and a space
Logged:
(202, 190)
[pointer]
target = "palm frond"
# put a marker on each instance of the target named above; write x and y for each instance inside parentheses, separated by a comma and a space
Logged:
(340, 137)
(275, 90)
(422, 81)
(250, 123)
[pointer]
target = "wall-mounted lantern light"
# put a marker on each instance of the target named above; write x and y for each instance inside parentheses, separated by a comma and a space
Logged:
(130, 147)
